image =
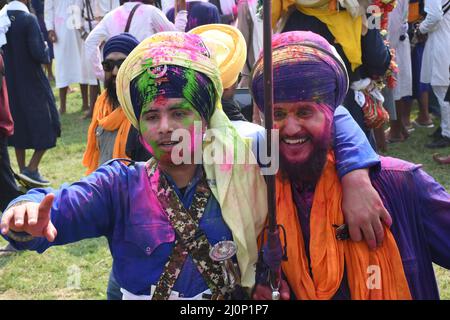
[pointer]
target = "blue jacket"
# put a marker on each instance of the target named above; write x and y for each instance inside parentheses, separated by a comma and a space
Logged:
(117, 202)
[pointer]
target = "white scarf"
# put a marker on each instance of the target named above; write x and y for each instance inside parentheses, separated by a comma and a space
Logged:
(5, 23)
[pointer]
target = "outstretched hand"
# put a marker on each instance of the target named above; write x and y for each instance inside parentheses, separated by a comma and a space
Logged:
(32, 218)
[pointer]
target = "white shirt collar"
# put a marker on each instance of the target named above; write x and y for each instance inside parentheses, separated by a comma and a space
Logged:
(17, 5)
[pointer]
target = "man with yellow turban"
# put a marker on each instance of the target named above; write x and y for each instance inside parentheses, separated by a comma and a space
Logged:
(168, 222)
(155, 213)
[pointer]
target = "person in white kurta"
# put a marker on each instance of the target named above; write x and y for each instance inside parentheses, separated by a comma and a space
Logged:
(102, 7)
(146, 21)
(399, 40)
(63, 18)
(98, 9)
(436, 61)
(251, 27)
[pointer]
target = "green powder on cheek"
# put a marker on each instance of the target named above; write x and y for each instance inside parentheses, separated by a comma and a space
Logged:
(157, 152)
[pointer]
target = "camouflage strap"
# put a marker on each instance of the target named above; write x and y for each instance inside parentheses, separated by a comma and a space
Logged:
(190, 240)
(171, 272)
(176, 260)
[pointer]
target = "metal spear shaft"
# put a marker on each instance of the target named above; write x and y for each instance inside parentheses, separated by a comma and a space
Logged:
(273, 233)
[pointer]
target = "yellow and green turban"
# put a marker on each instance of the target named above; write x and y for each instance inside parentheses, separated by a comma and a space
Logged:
(239, 188)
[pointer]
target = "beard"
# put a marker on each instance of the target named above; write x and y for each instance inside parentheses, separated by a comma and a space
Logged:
(308, 172)
(110, 85)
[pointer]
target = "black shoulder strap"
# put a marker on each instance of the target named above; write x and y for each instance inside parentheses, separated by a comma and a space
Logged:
(446, 7)
(217, 4)
(130, 17)
(2, 69)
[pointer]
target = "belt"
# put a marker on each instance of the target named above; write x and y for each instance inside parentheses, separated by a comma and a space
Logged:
(174, 295)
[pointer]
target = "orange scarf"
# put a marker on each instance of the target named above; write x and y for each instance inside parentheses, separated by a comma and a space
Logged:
(110, 120)
(329, 255)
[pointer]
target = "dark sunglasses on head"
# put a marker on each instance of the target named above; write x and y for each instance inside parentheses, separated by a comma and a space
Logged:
(108, 65)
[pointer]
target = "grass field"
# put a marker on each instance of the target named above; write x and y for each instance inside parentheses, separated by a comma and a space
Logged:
(27, 275)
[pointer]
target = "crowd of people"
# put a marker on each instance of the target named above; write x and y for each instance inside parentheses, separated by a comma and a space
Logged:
(339, 80)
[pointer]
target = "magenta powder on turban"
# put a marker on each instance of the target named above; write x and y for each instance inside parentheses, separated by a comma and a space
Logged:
(305, 68)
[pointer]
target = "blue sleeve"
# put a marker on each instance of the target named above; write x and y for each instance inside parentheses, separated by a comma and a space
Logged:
(80, 211)
(352, 149)
(38, 7)
(435, 203)
(375, 54)
(171, 15)
(36, 44)
(215, 16)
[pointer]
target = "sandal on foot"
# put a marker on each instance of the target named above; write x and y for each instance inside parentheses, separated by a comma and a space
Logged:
(423, 125)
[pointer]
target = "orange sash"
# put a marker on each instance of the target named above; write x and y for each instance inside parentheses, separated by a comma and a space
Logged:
(381, 270)
(413, 12)
(110, 120)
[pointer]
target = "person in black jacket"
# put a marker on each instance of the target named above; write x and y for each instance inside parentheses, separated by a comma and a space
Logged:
(33, 107)
(8, 186)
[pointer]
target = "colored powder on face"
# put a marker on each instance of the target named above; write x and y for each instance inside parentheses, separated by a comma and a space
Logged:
(155, 150)
(187, 123)
(151, 146)
(150, 91)
(194, 126)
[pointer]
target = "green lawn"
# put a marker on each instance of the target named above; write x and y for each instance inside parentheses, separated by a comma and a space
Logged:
(28, 275)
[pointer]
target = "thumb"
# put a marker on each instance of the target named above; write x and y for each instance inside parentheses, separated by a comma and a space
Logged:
(50, 232)
(284, 290)
(46, 205)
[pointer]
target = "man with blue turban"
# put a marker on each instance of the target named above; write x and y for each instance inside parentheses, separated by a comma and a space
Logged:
(109, 128)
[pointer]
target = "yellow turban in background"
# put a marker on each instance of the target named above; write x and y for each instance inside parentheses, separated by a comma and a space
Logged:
(228, 49)
(240, 189)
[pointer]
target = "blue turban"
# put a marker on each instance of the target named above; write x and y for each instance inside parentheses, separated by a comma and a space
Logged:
(124, 43)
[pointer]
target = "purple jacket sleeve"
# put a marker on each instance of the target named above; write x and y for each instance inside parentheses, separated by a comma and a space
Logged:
(80, 211)
(435, 202)
(352, 149)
